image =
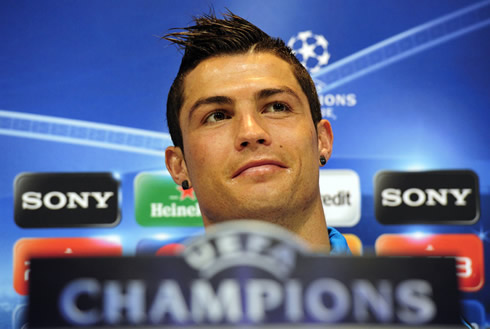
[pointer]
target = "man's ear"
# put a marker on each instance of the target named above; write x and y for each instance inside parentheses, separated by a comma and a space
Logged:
(174, 160)
(325, 138)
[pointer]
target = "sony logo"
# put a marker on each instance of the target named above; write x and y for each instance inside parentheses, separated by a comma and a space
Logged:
(66, 200)
(55, 200)
(415, 197)
(428, 197)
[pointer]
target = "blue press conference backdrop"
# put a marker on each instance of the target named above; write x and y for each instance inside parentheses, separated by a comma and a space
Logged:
(406, 88)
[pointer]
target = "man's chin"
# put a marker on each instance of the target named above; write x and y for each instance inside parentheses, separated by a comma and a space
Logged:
(267, 210)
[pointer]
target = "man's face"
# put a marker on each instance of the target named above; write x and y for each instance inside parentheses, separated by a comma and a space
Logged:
(251, 148)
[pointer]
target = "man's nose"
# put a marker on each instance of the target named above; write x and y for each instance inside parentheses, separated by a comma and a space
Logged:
(251, 131)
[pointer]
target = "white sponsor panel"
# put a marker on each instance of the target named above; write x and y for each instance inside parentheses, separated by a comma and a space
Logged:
(341, 197)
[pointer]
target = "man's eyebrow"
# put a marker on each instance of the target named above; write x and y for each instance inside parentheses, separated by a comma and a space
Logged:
(264, 93)
(220, 100)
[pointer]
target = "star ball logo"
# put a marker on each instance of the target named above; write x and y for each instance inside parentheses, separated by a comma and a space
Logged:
(161, 202)
(311, 50)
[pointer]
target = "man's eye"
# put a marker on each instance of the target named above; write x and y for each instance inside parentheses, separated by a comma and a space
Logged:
(216, 116)
(277, 107)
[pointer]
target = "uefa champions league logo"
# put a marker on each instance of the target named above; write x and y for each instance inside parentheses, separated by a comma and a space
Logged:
(311, 50)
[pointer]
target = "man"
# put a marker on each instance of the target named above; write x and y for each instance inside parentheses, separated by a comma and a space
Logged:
(245, 119)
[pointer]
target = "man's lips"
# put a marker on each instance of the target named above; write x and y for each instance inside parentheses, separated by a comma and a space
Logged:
(259, 167)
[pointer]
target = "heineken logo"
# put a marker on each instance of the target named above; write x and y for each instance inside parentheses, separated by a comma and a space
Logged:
(161, 202)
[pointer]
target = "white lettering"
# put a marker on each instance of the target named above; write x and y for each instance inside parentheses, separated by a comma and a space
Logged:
(199, 256)
(31, 200)
(262, 295)
(68, 302)
(328, 113)
(156, 210)
(206, 305)
(280, 257)
(228, 245)
(159, 210)
(419, 200)
(460, 196)
(340, 199)
(75, 199)
(391, 197)
(257, 243)
(56, 200)
(27, 271)
(464, 267)
(416, 306)
(339, 296)
(338, 100)
(133, 301)
(351, 100)
(169, 299)
(440, 196)
(47, 200)
(102, 198)
(232, 301)
(379, 301)
(329, 100)
(293, 307)
(414, 197)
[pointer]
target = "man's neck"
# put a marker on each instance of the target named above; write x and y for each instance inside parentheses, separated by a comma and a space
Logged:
(309, 224)
(311, 227)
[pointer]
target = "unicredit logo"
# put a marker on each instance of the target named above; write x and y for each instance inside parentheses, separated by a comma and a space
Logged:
(66, 200)
(340, 191)
(432, 197)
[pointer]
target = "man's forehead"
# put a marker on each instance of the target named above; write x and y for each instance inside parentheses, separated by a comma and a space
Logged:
(214, 74)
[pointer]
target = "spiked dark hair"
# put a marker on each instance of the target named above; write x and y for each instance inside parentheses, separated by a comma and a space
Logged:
(212, 37)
